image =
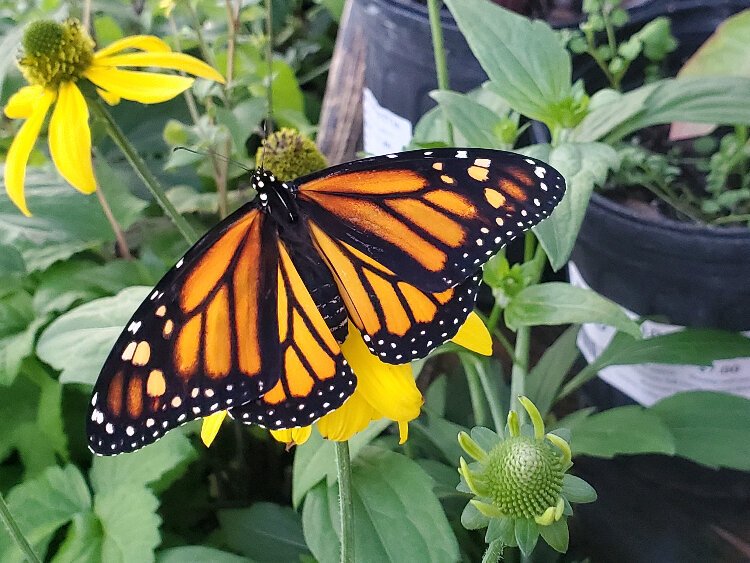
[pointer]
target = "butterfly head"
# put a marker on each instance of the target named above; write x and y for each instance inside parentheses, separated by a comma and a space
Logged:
(274, 196)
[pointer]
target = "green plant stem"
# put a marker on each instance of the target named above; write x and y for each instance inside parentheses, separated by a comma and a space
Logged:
(438, 49)
(143, 172)
(494, 552)
(16, 533)
(477, 395)
(346, 505)
(122, 244)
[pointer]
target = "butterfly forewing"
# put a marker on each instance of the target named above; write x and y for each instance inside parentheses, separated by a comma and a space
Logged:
(198, 344)
(431, 217)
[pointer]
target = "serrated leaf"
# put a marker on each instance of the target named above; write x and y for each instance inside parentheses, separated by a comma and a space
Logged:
(576, 489)
(198, 554)
(388, 488)
(64, 221)
(623, 430)
(264, 532)
(142, 467)
(709, 428)
(78, 342)
(583, 165)
(130, 524)
(534, 78)
(561, 303)
(41, 506)
(83, 541)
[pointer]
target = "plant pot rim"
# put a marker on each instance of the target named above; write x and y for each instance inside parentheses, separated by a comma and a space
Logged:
(619, 212)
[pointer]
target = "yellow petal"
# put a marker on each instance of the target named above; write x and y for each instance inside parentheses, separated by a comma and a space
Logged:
(389, 389)
(142, 42)
(293, 436)
(175, 61)
(211, 425)
(351, 417)
(474, 336)
(70, 138)
(21, 104)
(403, 432)
(144, 87)
(20, 149)
(111, 99)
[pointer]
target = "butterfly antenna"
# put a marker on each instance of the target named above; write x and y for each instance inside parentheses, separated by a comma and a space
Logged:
(214, 155)
(269, 89)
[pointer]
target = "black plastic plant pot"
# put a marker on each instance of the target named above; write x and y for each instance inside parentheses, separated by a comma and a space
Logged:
(674, 274)
(400, 69)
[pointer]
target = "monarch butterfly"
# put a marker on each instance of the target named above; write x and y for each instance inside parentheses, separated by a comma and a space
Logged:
(250, 319)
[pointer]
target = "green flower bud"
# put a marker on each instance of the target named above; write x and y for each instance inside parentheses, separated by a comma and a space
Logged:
(288, 154)
(55, 52)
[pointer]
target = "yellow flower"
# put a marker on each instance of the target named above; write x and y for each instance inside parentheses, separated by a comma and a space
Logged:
(383, 391)
(56, 58)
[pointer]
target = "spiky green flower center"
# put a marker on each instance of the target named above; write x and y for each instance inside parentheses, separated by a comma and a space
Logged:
(55, 52)
(288, 154)
(523, 476)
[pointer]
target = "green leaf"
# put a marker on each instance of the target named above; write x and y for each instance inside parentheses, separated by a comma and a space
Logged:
(710, 428)
(527, 534)
(583, 165)
(691, 346)
(315, 460)
(725, 53)
(396, 515)
(502, 529)
(264, 532)
(142, 467)
(472, 519)
(624, 430)
(534, 77)
(78, 342)
(130, 523)
(83, 541)
(18, 328)
(64, 221)
(198, 554)
(11, 261)
(286, 92)
(42, 505)
(721, 100)
(556, 535)
(475, 122)
(544, 380)
(560, 303)
(608, 109)
(441, 433)
(575, 489)
(320, 530)
(242, 120)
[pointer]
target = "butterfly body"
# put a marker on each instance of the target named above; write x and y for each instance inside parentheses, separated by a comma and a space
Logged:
(251, 319)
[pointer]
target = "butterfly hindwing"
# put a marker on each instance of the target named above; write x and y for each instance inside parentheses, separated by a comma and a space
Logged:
(431, 217)
(314, 376)
(199, 343)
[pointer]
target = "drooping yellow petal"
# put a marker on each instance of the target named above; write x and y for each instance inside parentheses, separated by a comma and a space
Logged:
(351, 417)
(389, 389)
(474, 336)
(144, 87)
(293, 436)
(403, 432)
(20, 149)
(142, 42)
(70, 138)
(211, 425)
(111, 99)
(174, 61)
(21, 104)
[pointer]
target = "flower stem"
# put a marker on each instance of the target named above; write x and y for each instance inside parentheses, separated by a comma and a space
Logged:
(16, 533)
(346, 505)
(438, 49)
(122, 244)
(143, 171)
(494, 552)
